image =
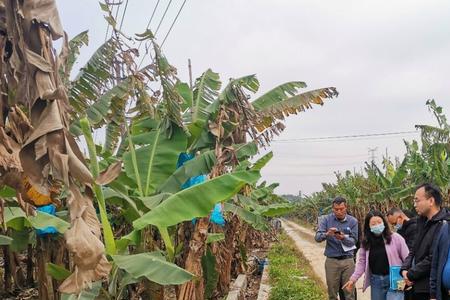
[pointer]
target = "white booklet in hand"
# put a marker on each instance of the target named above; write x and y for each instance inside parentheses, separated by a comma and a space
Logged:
(346, 248)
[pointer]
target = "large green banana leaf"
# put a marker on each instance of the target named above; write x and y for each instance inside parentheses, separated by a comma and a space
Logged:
(15, 218)
(201, 164)
(157, 160)
(276, 108)
(249, 82)
(5, 240)
(278, 94)
(74, 45)
(254, 219)
(150, 202)
(107, 107)
(272, 210)
(154, 267)
(56, 271)
(245, 151)
(196, 201)
(261, 162)
(227, 95)
(275, 210)
(206, 90)
(42, 220)
(93, 77)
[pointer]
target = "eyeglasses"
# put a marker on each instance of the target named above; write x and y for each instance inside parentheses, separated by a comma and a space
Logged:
(418, 200)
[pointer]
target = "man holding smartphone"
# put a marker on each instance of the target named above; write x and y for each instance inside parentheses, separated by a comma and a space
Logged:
(340, 231)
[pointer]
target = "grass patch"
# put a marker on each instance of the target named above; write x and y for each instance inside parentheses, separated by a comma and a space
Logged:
(291, 276)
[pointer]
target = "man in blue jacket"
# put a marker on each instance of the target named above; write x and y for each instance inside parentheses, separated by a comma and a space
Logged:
(340, 231)
(440, 265)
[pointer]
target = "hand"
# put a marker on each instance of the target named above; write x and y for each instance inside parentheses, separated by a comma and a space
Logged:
(331, 231)
(339, 236)
(408, 283)
(349, 285)
(405, 276)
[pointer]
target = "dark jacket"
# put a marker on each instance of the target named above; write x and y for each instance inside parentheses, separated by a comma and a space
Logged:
(418, 262)
(408, 232)
(438, 262)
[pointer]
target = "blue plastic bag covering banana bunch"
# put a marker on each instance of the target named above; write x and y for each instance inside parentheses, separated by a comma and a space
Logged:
(216, 216)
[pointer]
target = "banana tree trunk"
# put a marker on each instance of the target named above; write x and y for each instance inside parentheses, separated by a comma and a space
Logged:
(224, 252)
(7, 269)
(153, 291)
(30, 266)
(47, 290)
(194, 289)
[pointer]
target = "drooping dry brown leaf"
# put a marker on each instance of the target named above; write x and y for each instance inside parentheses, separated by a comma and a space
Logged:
(110, 174)
(37, 153)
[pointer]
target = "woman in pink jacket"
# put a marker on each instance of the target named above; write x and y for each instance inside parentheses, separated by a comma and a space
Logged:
(380, 249)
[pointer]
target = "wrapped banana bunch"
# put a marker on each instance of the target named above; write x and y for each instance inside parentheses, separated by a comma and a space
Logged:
(41, 195)
(44, 199)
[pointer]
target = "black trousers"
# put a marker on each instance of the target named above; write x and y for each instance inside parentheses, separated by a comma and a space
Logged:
(409, 295)
(342, 295)
(421, 296)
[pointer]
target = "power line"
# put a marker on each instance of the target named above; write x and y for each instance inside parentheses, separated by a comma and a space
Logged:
(150, 21)
(346, 136)
(123, 15)
(173, 23)
(297, 156)
(107, 26)
(117, 6)
(300, 165)
(156, 31)
(162, 18)
(117, 10)
(300, 175)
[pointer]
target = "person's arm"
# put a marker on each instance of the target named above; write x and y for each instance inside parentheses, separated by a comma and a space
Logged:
(360, 267)
(403, 248)
(434, 268)
(408, 261)
(321, 234)
(410, 235)
(351, 239)
(420, 269)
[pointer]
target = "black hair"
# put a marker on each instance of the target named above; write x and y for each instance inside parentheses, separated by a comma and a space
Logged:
(368, 237)
(393, 211)
(410, 213)
(338, 200)
(432, 190)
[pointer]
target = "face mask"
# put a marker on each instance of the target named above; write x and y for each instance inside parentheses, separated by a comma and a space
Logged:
(377, 229)
(398, 227)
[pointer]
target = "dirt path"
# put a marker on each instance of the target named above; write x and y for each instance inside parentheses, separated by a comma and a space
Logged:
(304, 240)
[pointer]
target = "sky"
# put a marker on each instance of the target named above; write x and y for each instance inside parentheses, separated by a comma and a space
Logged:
(386, 58)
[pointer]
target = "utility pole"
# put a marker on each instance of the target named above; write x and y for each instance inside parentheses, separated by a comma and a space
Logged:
(190, 85)
(372, 154)
(190, 73)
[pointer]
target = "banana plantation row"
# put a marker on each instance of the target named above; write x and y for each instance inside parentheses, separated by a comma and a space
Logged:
(171, 197)
(393, 183)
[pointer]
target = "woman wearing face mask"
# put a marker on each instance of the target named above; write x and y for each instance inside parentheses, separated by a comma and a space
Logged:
(380, 249)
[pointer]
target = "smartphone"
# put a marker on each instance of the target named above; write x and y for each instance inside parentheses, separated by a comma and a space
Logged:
(338, 232)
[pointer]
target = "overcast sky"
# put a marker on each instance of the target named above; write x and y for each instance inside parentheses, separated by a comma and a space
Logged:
(386, 58)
